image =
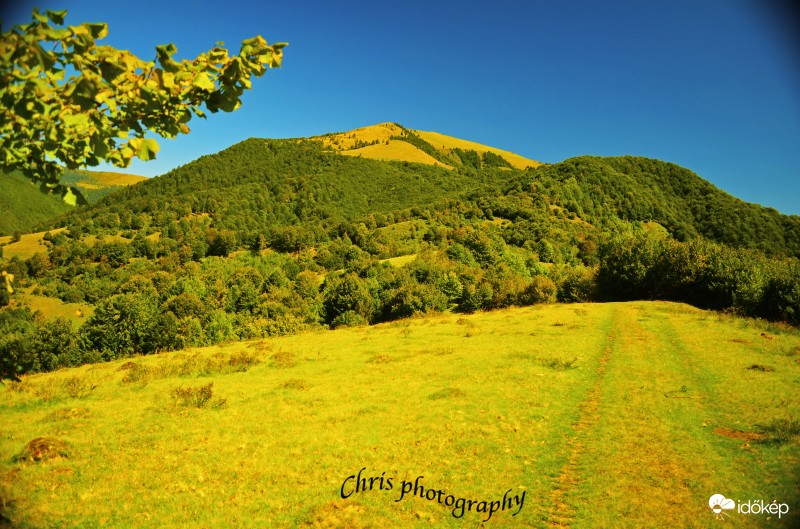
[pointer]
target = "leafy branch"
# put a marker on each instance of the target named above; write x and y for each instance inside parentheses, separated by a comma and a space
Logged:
(81, 103)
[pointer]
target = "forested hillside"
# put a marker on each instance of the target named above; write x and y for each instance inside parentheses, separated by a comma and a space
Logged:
(273, 237)
(22, 205)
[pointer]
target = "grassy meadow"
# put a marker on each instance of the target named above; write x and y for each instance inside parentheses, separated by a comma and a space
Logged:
(623, 415)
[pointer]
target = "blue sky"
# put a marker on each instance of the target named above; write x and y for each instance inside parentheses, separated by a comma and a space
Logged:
(712, 85)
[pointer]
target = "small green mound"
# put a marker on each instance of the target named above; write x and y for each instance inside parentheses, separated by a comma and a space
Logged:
(447, 393)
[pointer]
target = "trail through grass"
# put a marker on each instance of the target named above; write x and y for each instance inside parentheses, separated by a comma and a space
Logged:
(602, 415)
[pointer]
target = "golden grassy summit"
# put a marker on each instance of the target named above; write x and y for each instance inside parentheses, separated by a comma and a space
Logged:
(390, 141)
(447, 143)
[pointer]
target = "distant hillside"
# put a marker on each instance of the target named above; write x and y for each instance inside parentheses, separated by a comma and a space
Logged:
(259, 185)
(391, 141)
(94, 185)
(23, 206)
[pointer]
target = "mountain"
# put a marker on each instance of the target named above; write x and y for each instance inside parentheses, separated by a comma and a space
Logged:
(272, 237)
(315, 183)
(391, 141)
(23, 206)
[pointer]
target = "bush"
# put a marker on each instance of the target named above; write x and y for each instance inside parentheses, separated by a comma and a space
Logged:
(123, 325)
(17, 356)
(56, 345)
(576, 285)
(347, 294)
(475, 297)
(412, 299)
(199, 397)
(541, 289)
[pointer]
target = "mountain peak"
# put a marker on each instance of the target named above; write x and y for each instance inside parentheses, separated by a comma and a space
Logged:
(392, 141)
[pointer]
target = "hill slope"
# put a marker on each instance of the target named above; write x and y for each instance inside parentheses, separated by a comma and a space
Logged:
(391, 141)
(22, 206)
(260, 184)
(602, 406)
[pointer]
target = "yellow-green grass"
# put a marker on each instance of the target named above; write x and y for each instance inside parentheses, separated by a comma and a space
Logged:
(109, 178)
(395, 150)
(52, 308)
(346, 142)
(343, 141)
(401, 260)
(444, 142)
(604, 415)
(29, 245)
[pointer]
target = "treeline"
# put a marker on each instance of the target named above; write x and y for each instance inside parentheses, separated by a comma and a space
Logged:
(274, 237)
(258, 185)
(142, 306)
(699, 272)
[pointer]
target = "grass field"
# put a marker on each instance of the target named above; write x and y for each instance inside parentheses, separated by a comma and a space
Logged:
(623, 415)
(27, 246)
(444, 142)
(395, 150)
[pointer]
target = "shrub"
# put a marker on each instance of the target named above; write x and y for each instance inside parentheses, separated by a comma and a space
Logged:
(199, 397)
(413, 299)
(122, 326)
(540, 290)
(576, 284)
(55, 345)
(347, 294)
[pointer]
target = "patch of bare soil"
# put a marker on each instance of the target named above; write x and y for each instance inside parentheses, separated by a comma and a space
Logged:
(734, 434)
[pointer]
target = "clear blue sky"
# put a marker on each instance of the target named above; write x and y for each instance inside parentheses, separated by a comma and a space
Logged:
(712, 85)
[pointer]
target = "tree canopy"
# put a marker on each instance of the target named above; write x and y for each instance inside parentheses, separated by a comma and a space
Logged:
(69, 102)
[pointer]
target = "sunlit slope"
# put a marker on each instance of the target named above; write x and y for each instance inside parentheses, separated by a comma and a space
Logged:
(27, 246)
(602, 415)
(400, 151)
(444, 143)
(384, 142)
(342, 141)
(99, 179)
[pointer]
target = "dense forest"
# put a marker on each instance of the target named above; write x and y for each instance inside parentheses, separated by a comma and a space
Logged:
(273, 237)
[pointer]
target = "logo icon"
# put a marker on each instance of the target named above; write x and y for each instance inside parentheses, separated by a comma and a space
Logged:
(719, 504)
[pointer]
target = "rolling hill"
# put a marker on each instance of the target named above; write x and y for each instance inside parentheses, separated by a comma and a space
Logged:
(217, 392)
(261, 184)
(391, 141)
(22, 206)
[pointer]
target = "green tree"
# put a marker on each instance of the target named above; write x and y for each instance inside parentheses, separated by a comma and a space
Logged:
(123, 325)
(346, 300)
(67, 100)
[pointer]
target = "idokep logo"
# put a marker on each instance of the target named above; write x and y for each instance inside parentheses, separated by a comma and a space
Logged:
(719, 503)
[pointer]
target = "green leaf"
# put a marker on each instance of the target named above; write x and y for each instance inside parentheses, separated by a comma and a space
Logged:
(38, 16)
(145, 149)
(204, 82)
(57, 17)
(69, 197)
(98, 30)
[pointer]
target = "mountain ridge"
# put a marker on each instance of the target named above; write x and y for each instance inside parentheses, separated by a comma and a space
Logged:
(391, 141)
